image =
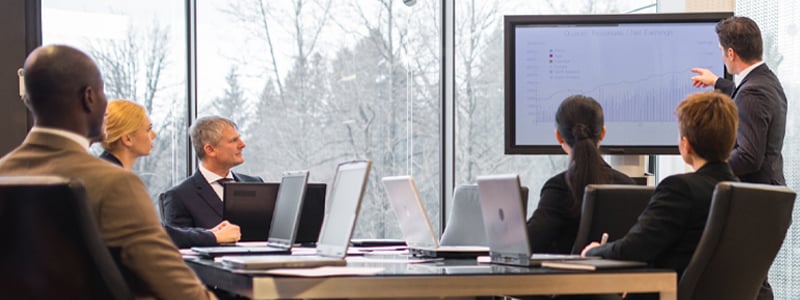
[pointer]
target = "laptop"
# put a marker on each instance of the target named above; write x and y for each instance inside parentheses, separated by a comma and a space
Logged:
(285, 221)
(415, 224)
(345, 196)
(251, 205)
(506, 227)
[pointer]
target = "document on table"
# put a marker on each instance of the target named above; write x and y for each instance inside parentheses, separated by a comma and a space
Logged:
(324, 271)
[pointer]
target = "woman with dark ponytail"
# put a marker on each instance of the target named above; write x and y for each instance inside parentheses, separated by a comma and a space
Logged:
(579, 129)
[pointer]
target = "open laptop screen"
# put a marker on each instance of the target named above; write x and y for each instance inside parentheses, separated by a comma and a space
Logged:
(287, 207)
(503, 215)
(344, 200)
(414, 222)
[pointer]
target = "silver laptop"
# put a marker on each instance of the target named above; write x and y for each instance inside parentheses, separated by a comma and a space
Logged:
(337, 228)
(285, 220)
(415, 224)
(506, 227)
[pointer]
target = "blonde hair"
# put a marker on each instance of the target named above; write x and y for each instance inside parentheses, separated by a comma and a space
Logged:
(122, 117)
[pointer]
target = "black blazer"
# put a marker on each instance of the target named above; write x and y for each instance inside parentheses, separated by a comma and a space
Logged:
(762, 124)
(554, 224)
(668, 230)
(193, 203)
(181, 237)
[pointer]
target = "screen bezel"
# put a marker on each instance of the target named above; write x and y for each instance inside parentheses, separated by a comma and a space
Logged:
(510, 24)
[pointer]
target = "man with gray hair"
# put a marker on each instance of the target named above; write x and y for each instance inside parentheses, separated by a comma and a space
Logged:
(197, 201)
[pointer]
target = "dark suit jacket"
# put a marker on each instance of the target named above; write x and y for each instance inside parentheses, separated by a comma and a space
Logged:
(668, 230)
(123, 211)
(190, 236)
(762, 124)
(182, 237)
(193, 203)
(554, 224)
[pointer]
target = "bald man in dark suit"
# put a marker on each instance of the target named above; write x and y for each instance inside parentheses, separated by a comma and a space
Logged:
(65, 93)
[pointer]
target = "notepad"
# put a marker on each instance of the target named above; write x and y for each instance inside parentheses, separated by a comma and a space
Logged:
(592, 264)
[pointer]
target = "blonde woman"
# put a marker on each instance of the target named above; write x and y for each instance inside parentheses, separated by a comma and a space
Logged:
(130, 135)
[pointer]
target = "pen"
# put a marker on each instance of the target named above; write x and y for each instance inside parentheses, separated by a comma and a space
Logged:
(604, 239)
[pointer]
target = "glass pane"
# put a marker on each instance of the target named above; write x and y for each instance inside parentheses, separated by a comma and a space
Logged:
(777, 20)
(312, 83)
(479, 88)
(140, 48)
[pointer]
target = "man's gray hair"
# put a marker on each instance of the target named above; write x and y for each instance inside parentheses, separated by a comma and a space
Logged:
(207, 130)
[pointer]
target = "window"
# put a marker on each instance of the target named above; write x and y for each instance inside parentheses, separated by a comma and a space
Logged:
(311, 83)
(140, 50)
(778, 23)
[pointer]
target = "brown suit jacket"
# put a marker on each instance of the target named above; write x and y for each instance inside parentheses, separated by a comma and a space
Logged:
(125, 215)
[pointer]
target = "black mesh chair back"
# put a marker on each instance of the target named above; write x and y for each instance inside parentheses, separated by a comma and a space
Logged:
(745, 229)
(610, 208)
(51, 245)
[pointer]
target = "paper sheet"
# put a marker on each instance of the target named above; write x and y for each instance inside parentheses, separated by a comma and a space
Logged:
(325, 271)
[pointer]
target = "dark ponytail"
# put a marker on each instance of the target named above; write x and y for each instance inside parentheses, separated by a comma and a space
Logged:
(579, 120)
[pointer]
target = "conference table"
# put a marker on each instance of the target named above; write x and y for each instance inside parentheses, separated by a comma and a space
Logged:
(439, 279)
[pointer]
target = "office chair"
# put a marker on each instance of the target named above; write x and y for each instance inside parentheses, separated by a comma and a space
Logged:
(609, 208)
(162, 198)
(465, 224)
(52, 247)
(745, 229)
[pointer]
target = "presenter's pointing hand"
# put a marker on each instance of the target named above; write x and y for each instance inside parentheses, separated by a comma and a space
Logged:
(704, 78)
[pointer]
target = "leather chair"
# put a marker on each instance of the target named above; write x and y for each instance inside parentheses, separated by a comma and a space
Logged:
(465, 223)
(745, 229)
(52, 248)
(162, 197)
(610, 208)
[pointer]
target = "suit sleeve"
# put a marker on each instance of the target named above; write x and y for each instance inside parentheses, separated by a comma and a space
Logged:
(725, 86)
(190, 237)
(751, 137)
(661, 225)
(175, 213)
(549, 218)
(128, 221)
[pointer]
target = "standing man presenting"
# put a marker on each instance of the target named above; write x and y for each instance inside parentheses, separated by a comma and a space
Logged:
(197, 201)
(761, 101)
(760, 98)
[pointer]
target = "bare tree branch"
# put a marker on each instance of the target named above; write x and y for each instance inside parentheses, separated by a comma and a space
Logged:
(265, 25)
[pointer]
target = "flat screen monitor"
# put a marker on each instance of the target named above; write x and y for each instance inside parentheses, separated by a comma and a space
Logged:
(251, 205)
(637, 66)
